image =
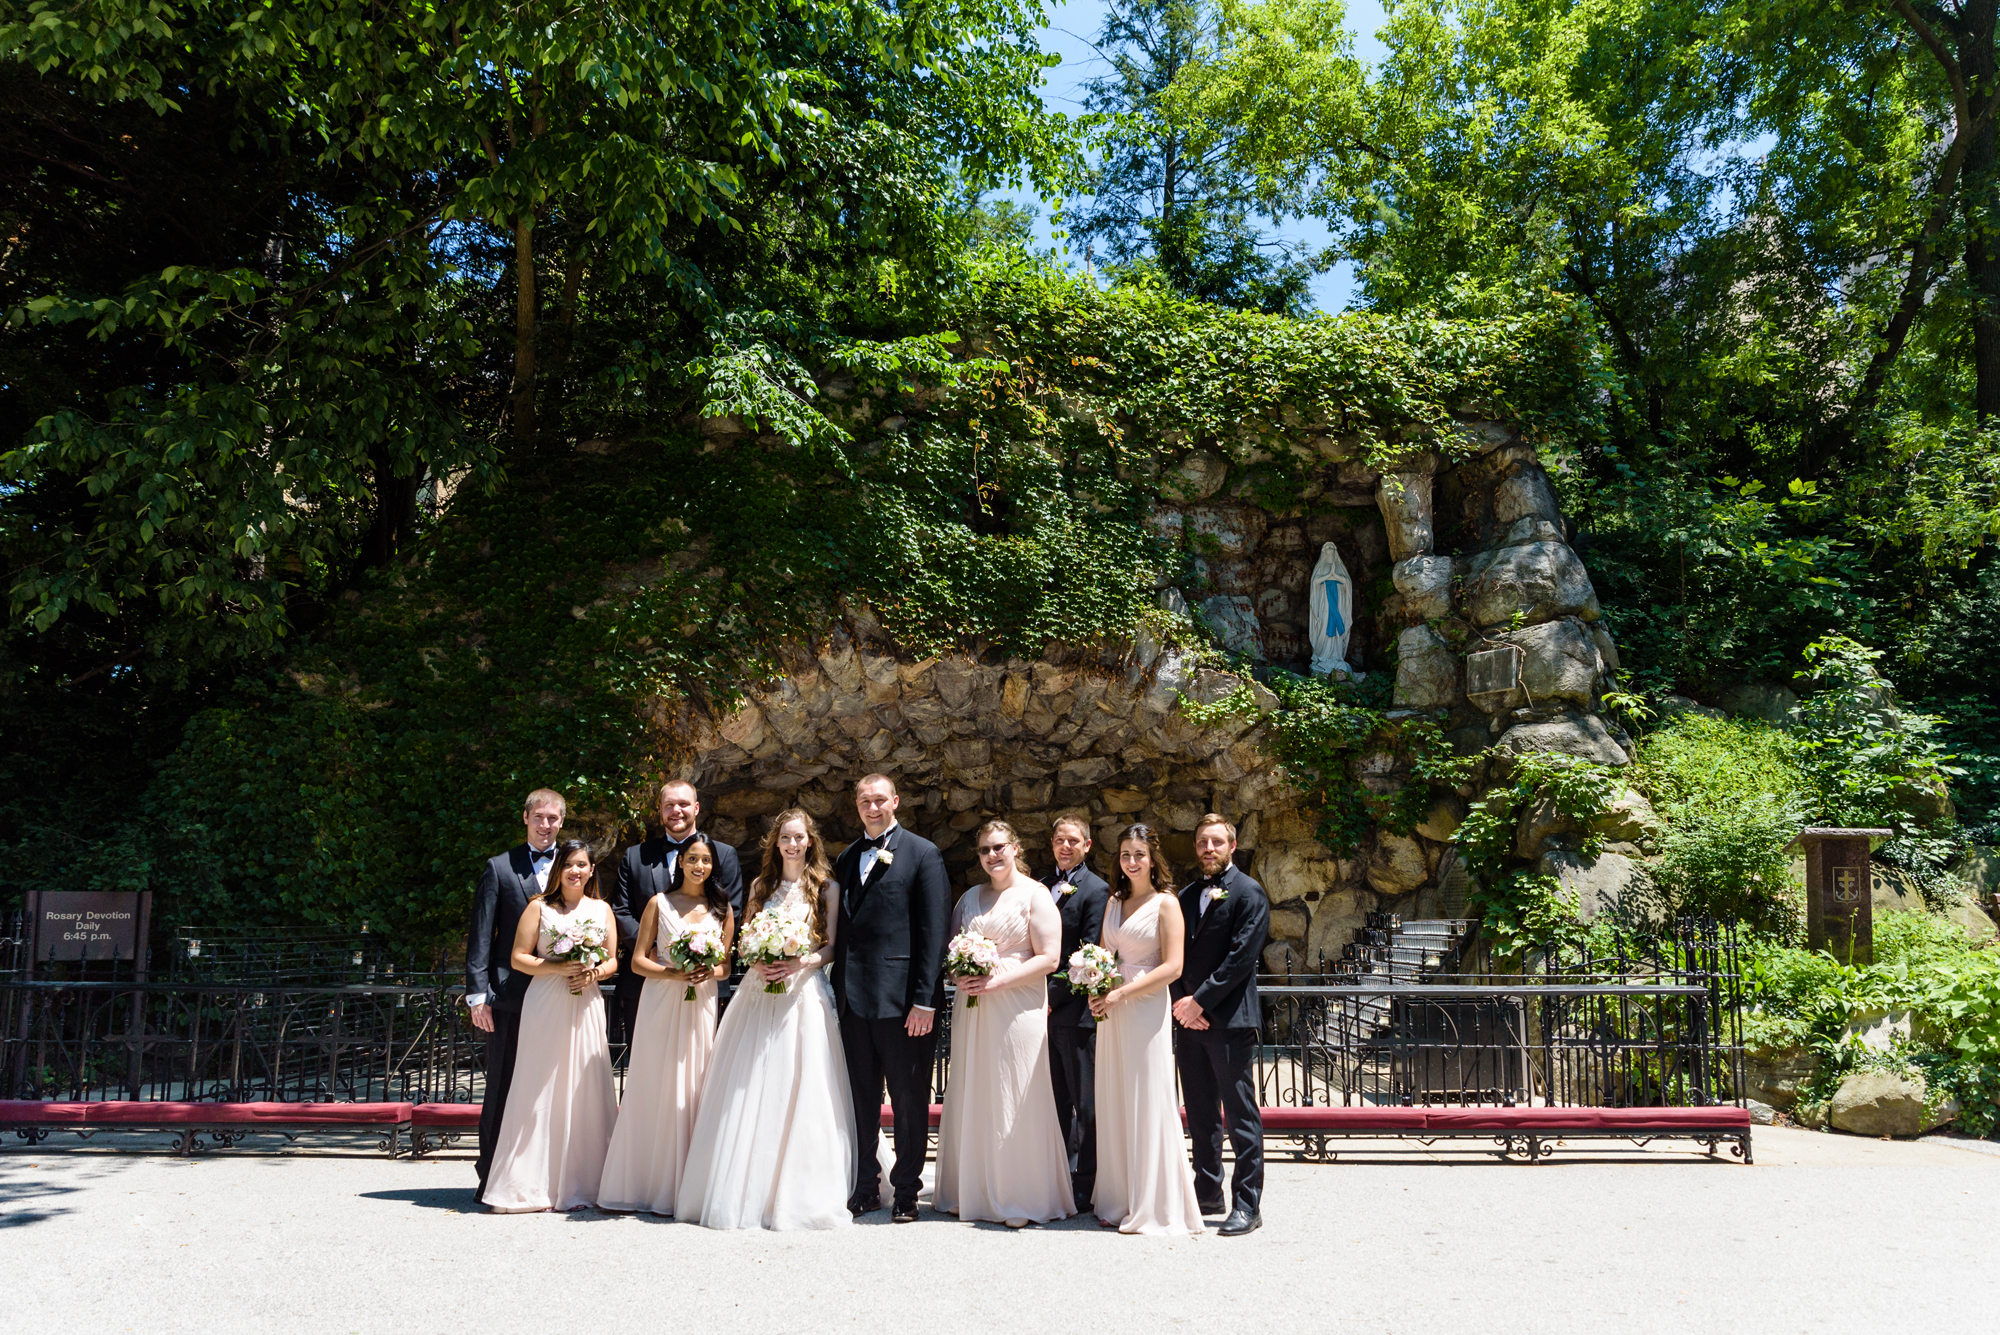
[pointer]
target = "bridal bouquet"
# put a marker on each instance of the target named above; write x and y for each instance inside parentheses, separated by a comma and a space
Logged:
(970, 955)
(581, 942)
(1093, 972)
(696, 951)
(777, 934)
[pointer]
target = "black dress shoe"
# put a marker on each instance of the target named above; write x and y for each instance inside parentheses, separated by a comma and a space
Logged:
(1241, 1222)
(1211, 1207)
(904, 1213)
(858, 1206)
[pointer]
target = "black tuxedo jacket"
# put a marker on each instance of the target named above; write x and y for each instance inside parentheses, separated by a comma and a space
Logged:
(505, 887)
(1223, 952)
(1082, 924)
(642, 873)
(889, 952)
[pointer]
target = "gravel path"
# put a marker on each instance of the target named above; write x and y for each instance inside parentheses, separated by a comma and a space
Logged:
(1825, 1233)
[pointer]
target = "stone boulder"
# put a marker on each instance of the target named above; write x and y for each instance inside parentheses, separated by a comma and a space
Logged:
(1426, 670)
(1673, 706)
(1883, 1103)
(1894, 890)
(1598, 883)
(1195, 478)
(1975, 922)
(1234, 619)
(1526, 495)
(1878, 1031)
(1447, 813)
(1630, 819)
(1335, 920)
(1980, 870)
(1540, 580)
(1775, 1075)
(1397, 865)
(1524, 531)
(1425, 583)
(1405, 502)
(1560, 664)
(1580, 735)
(1539, 823)
(1761, 700)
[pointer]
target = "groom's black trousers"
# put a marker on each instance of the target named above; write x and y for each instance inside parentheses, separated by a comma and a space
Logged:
(1073, 1077)
(501, 1046)
(1221, 1092)
(882, 1052)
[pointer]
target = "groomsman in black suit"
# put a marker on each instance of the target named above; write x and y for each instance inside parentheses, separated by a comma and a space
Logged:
(888, 981)
(1080, 895)
(493, 990)
(646, 870)
(1215, 1000)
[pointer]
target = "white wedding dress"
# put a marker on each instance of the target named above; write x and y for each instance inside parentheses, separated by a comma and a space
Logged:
(774, 1140)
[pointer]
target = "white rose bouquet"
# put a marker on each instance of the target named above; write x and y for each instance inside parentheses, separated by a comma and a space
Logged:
(777, 934)
(581, 942)
(696, 951)
(971, 955)
(1093, 972)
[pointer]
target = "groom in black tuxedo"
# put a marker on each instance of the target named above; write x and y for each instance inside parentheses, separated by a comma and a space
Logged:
(1080, 895)
(888, 981)
(493, 990)
(1215, 1002)
(647, 869)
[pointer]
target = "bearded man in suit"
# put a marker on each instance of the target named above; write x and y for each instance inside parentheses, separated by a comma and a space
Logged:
(888, 982)
(647, 869)
(493, 989)
(1227, 919)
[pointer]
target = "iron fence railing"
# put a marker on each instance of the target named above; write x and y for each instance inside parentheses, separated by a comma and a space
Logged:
(1609, 1022)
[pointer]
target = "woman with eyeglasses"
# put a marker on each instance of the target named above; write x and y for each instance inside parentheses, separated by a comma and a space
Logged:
(1001, 1155)
(1144, 1181)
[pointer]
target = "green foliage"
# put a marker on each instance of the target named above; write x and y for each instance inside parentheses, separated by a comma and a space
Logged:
(1923, 964)
(1517, 906)
(1165, 201)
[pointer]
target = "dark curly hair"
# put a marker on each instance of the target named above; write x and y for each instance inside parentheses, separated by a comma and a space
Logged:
(1163, 875)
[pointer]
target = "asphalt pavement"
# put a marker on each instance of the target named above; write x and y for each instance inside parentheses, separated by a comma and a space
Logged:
(1823, 1233)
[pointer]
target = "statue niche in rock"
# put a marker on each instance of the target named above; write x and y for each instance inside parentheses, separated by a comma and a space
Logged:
(1331, 619)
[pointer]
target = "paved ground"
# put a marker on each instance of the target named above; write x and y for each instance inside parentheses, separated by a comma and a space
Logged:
(1825, 1233)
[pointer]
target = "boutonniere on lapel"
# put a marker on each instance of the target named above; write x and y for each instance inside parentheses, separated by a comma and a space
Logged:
(1218, 895)
(885, 857)
(1063, 889)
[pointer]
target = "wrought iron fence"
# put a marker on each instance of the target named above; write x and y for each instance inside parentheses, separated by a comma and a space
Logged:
(1608, 1022)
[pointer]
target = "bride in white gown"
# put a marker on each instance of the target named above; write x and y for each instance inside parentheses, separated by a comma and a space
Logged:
(774, 1140)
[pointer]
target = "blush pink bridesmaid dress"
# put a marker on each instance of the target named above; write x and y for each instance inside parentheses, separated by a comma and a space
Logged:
(1000, 1148)
(1144, 1181)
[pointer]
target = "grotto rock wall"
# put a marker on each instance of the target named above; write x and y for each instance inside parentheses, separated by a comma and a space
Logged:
(1468, 592)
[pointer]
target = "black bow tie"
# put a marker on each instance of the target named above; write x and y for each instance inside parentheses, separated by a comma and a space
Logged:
(1211, 882)
(878, 841)
(678, 845)
(539, 853)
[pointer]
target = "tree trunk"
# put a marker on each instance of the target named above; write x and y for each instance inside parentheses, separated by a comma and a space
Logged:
(524, 329)
(1981, 201)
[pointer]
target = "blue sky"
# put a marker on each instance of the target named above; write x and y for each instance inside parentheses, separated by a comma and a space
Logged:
(1074, 25)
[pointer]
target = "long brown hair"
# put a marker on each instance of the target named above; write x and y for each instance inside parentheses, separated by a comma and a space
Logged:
(1013, 837)
(554, 895)
(1163, 875)
(819, 869)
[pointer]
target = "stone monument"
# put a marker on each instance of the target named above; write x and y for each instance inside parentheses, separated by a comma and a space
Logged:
(1840, 910)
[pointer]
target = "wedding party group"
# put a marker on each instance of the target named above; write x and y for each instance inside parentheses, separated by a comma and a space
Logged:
(1075, 1001)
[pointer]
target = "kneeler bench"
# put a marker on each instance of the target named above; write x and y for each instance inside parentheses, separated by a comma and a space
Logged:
(436, 1125)
(223, 1123)
(1526, 1131)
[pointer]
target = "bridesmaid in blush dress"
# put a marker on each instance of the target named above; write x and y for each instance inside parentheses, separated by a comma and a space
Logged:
(1001, 1154)
(671, 1039)
(1144, 1181)
(561, 1107)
